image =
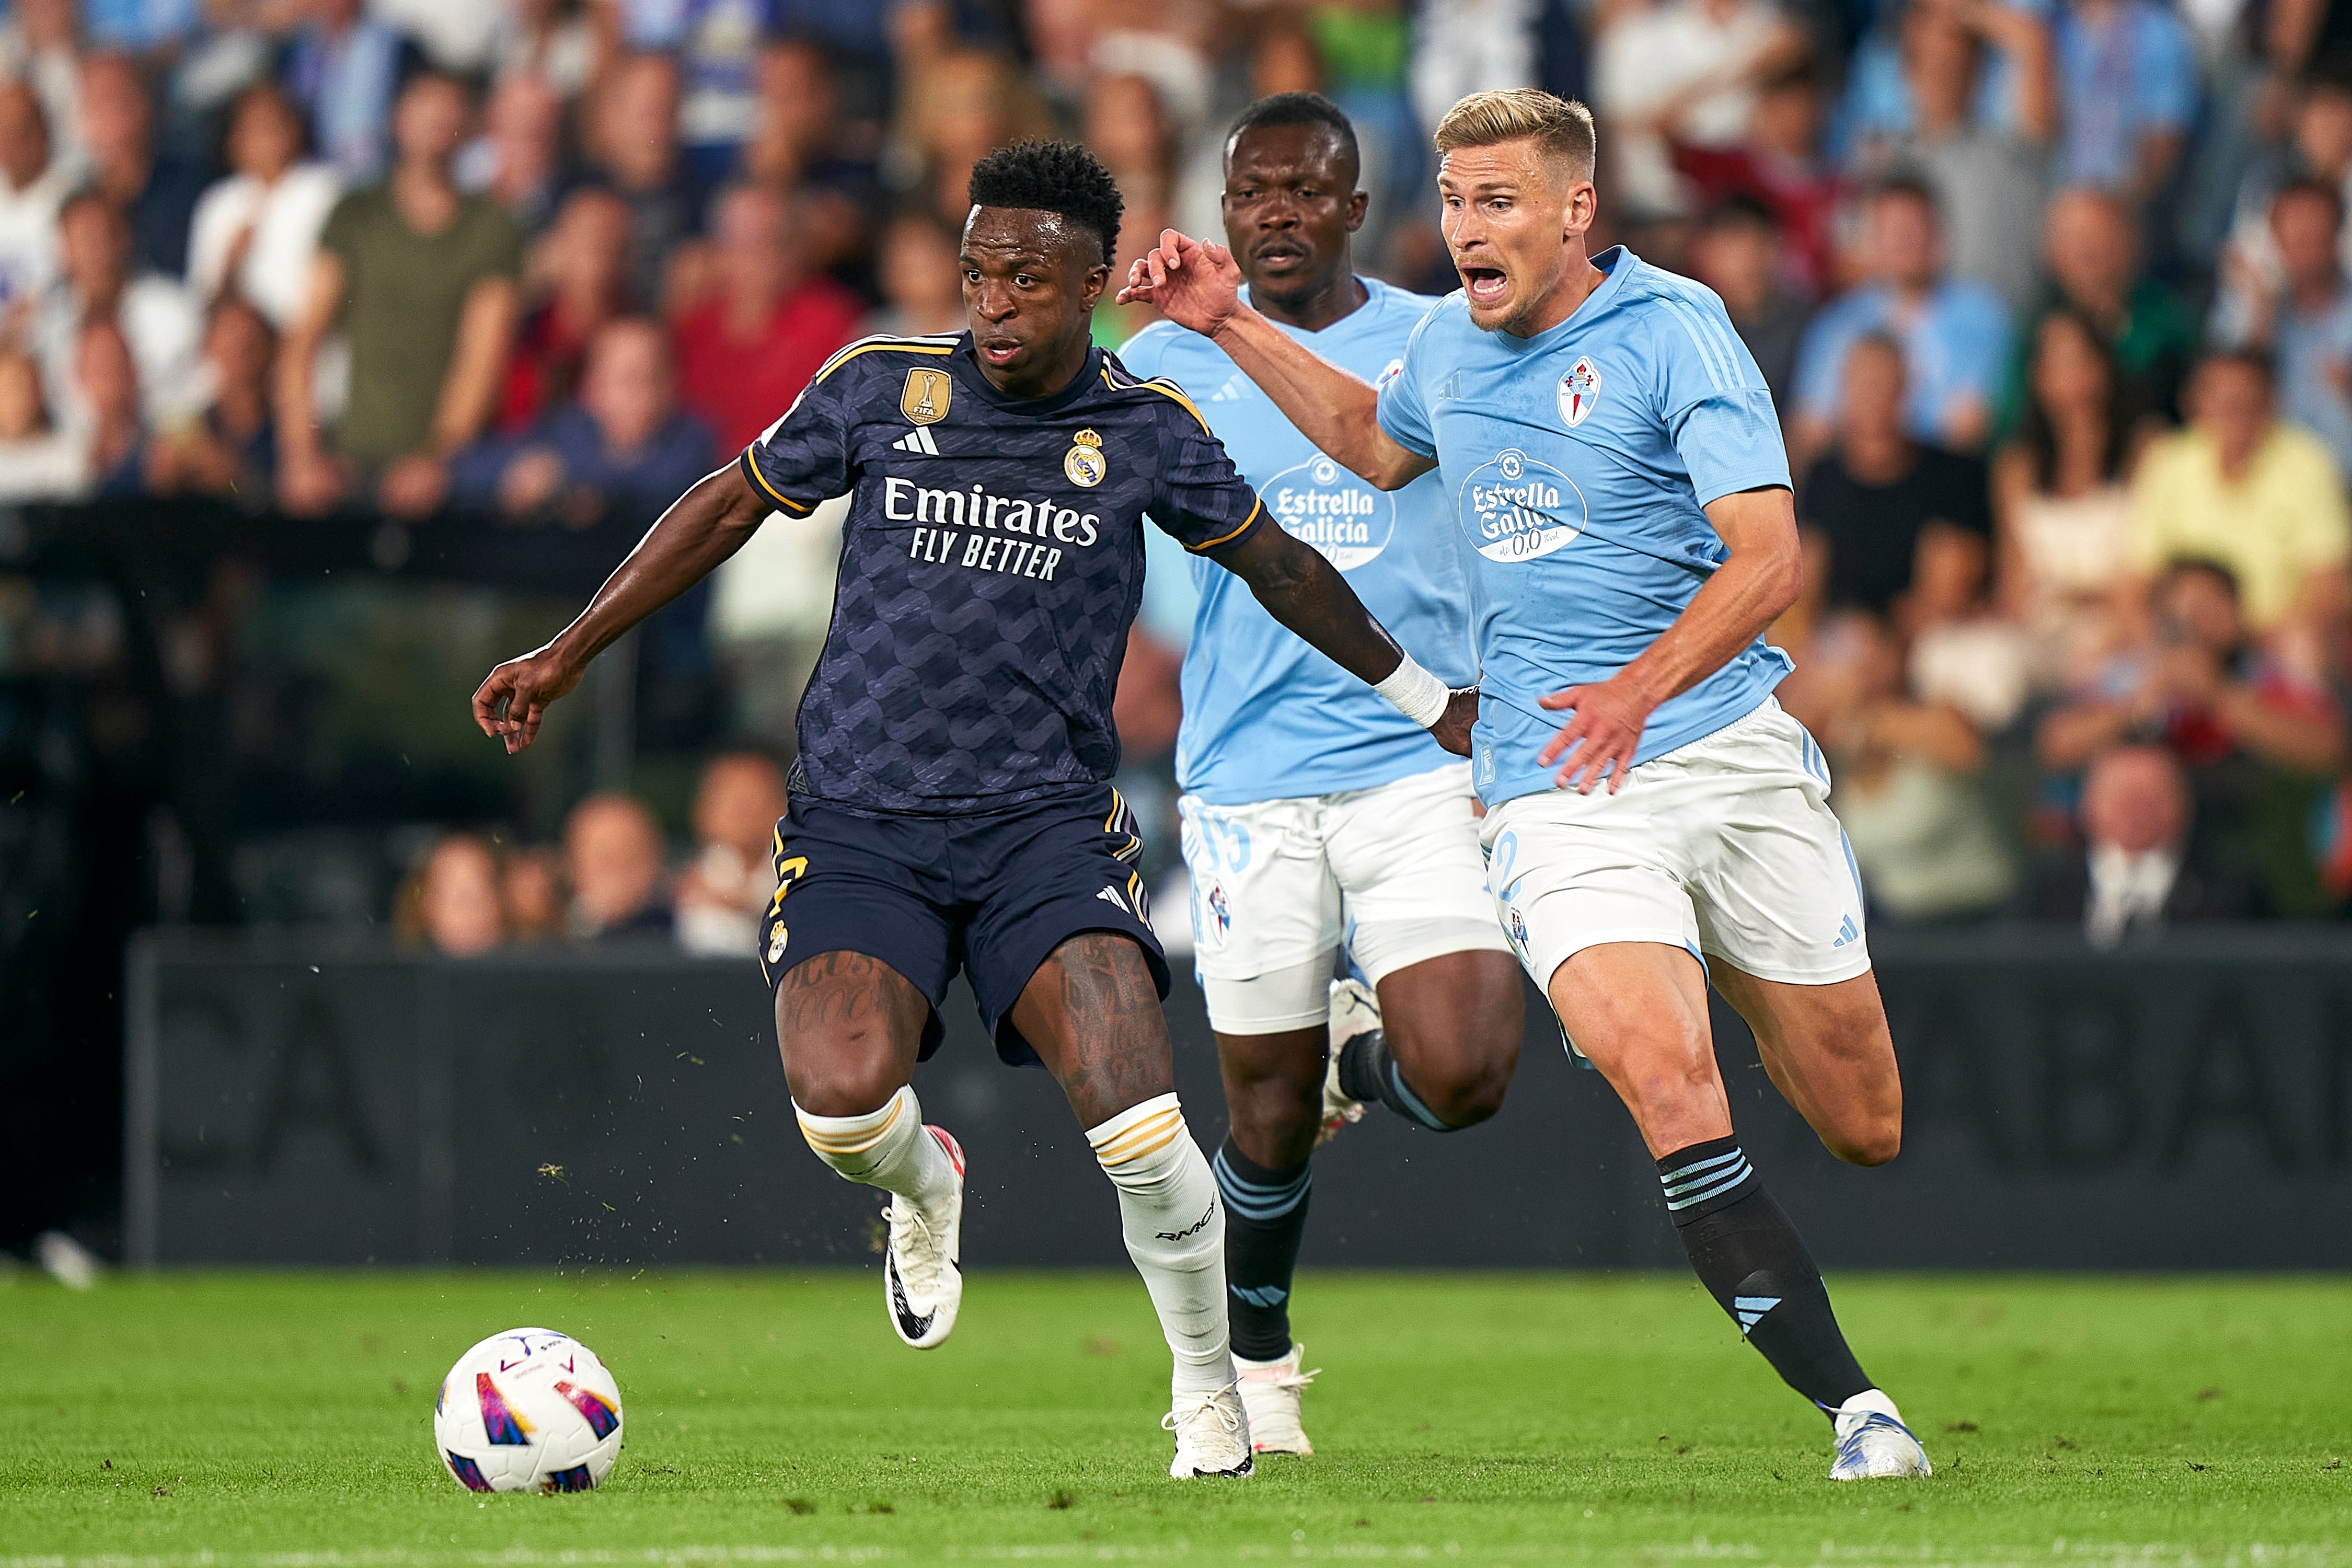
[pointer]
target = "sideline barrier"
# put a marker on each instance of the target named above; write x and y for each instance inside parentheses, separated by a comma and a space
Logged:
(298, 1100)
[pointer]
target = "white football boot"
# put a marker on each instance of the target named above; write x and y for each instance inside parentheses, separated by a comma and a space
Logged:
(1873, 1443)
(1212, 1434)
(1270, 1395)
(1355, 1010)
(922, 1275)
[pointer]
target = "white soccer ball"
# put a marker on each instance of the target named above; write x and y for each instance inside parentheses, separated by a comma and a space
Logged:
(528, 1410)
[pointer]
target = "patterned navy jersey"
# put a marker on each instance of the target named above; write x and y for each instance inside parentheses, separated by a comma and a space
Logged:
(990, 562)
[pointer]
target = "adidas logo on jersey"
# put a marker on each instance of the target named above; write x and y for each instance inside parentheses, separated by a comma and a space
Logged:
(919, 439)
(1237, 386)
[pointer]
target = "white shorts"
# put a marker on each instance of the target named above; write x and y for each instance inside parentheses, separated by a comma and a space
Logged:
(1279, 885)
(1726, 848)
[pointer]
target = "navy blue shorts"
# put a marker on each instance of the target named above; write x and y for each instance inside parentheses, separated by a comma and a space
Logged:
(990, 893)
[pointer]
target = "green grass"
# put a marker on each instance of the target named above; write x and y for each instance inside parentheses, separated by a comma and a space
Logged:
(285, 1420)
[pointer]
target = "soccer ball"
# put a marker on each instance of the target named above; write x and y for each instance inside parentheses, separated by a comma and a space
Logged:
(528, 1410)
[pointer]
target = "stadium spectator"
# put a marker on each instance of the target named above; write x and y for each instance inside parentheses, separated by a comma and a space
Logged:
(581, 267)
(40, 47)
(2301, 315)
(152, 29)
(1878, 492)
(2319, 146)
(624, 441)
(531, 892)
(106, 387)
(715, 45)
(2203, 686)
(1989, 178)
(1779, 164)
(160, 322)
(922, 290)
(638, 154)
(1924, 839)
(797, 121)
(2139, 869)
(345, 68)
(960, 107)
(422, 279)
(2061, 505)
(1683, 67)
(451, 901)
(231, 449)
(1954, 334)
(550, 40)
(2091, 250)
(1736, 252)
(746, 350)
(157, 193)
(518, 161)
(613, 859)
(256, 232)
(34, 185)
(2238, 487)
(39, 461)
(2127, 84)
(728, 884)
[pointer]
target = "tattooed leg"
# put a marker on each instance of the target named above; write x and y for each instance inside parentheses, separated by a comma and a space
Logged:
(849, 1026)
(1093, 1013)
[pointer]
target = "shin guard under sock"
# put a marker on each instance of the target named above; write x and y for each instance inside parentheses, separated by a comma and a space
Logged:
(1754, 1264)
(1265, 1213)
(1175, 1230)
(1368, 1072)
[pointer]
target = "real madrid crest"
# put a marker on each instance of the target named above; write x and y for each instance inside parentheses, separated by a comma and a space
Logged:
(1084, 462)
(925, 400)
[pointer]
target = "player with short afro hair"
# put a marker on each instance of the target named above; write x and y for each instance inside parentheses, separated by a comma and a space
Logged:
(1060, 177)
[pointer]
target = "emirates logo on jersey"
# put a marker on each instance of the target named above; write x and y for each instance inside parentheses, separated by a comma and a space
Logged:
(1579, 389)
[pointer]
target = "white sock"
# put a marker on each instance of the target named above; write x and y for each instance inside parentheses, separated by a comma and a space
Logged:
(1175, 1228)
(886, 1148)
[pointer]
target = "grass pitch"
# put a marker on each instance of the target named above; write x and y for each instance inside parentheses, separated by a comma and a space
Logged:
(285, 1421)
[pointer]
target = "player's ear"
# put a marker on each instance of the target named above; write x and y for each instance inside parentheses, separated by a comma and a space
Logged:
(1090, 291)
(1357, 207)
(1583, 206)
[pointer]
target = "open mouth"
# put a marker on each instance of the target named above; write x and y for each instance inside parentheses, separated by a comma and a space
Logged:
(1484, 285)
(999, 351)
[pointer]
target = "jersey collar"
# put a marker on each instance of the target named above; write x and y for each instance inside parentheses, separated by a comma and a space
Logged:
(1616, 264)
(967, 371)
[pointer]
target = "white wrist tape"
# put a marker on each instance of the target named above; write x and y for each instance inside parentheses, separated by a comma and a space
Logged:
(1415, 693)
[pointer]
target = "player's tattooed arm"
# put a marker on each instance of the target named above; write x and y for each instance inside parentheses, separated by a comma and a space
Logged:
(1306, 592)
(1092, 1011)
(1197, 284)
(702, 527)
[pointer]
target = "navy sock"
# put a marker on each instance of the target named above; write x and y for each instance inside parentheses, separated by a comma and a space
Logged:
(1265, 1213)
(1754, 1264)
(1368, 1073)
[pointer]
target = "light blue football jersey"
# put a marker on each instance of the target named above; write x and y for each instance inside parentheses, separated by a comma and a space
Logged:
(1576, 462)
(1266, 716)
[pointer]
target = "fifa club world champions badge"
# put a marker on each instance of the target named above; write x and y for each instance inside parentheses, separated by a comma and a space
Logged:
(1579, 389)
(1084, 462)
(926, 396)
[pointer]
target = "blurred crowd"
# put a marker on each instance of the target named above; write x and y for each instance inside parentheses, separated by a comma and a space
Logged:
(2053, 295)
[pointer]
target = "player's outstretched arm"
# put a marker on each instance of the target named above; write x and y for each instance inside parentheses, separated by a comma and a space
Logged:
(1307, 593)
(1759, 579)
(702, 527)
(1197, 286)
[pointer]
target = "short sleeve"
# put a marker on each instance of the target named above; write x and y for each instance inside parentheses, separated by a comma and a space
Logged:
(1199, 499)
(803, 457)
(1713, 401)
(2323, 532)
(2152, 489)
(1976, 341)
(1404, 416)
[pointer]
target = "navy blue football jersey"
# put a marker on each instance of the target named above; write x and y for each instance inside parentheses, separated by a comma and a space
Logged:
(990, 562)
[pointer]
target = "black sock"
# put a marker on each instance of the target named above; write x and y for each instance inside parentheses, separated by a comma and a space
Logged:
(1753, 1262)
(1265, 1213)
(1368, 1073)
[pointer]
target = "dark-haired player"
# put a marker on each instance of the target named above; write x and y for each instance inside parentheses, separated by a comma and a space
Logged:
(950, 807)
(1313, 811)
